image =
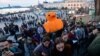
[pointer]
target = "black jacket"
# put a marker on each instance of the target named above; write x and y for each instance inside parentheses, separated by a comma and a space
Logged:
(55, 52)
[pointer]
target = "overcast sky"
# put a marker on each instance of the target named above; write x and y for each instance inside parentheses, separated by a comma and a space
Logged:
(4, 3)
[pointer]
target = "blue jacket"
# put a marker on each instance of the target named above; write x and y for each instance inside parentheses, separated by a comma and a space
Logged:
(80, 33)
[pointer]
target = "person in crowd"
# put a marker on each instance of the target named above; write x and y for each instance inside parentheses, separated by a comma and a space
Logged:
(44, 48)
(13, 48)
(7, 49)
(24, 25)
(36, 37)
(80, 21)
(31, 45)
(94, 47)
(67, 43)
(4, 48)
(86, 31)
(73, 21)
(12, 29)
(31, 32)
(72, 35)
(1, 33)
(83, 31)
(21, 42)
(24, 30)
(16, 28)
(40, 29)
(89, 27)
(59, 48)
(6, 29)
(92, 36)
(30, 25)
(78, 31)
(73, 40)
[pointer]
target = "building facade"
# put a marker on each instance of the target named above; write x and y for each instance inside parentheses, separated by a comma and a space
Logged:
(70, 4)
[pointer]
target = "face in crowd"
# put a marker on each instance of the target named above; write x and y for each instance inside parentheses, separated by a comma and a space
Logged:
(60, 47)
(65, 37)
(4, 44)
(46, 43)
(59, 44)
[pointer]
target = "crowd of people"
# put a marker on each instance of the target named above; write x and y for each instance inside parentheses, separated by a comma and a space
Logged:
(16, 17)
(30, 39)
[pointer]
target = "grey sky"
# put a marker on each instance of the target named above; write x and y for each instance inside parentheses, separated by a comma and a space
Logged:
(4, 3)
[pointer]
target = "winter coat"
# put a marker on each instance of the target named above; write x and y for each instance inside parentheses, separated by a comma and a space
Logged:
(55, 52)
(42, 49)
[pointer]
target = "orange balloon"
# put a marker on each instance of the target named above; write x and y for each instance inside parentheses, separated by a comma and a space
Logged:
(53, 24)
